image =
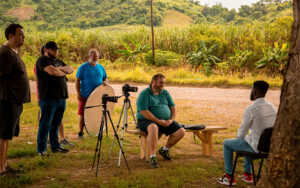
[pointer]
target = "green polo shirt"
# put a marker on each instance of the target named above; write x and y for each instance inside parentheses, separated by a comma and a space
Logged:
(159, 105)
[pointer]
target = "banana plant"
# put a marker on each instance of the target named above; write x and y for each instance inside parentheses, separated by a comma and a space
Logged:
(134, 51)
(275, 59)
(239, 58)
(202, 58)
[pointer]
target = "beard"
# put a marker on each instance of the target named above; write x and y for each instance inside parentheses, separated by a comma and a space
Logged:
(251, 97)
(51, 56)
(93, 62)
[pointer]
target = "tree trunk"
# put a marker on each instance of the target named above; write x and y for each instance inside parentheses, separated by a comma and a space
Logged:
(283, 164)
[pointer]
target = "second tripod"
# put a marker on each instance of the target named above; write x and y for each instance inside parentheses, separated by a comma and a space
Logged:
(104, 118)
(124, 113)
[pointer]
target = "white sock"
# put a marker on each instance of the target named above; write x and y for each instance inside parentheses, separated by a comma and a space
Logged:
(152, 156)
(165, 148)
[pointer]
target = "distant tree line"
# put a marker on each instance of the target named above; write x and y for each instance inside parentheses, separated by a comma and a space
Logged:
(55, 14)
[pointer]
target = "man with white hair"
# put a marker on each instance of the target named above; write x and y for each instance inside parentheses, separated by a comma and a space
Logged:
(89, 76)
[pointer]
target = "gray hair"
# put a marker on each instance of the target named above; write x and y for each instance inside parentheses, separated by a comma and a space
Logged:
(91, 51)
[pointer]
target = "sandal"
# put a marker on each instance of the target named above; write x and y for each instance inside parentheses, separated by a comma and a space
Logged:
(3, 173)
(12, 170)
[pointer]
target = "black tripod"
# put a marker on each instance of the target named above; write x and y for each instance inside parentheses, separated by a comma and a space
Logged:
(126, 105)
(106, 113)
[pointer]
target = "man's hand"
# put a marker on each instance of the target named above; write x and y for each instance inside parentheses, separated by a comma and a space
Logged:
(105, 82)
(164, 123)
(170, 121)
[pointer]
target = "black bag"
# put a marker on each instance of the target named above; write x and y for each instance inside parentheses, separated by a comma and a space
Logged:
(193, 127)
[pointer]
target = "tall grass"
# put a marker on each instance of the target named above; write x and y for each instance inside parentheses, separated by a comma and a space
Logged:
(75, 43)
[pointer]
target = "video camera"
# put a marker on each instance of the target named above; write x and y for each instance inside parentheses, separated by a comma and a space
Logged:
(127, 88)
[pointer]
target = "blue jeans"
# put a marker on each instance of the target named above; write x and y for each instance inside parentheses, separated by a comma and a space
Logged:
(52, 111)
(236, 144)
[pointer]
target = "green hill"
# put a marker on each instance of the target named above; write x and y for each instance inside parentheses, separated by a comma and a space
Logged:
(54, 14)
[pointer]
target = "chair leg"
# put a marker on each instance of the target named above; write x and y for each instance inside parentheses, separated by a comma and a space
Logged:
(261, 162)
(253, 172)
(234, 165)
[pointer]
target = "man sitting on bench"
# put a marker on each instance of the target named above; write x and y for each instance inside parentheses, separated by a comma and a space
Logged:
(258, 116)
(156, 112)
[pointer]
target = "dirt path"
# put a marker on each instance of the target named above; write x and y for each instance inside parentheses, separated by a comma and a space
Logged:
(214, 95)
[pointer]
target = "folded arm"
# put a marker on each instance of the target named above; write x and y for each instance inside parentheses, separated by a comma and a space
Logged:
(54, 71)
(66, 69)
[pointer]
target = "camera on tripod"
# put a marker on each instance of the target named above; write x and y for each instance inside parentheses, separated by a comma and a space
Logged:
(127, 88)
(106, 98)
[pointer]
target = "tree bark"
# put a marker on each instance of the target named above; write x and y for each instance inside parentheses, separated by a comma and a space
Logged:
(283, 164)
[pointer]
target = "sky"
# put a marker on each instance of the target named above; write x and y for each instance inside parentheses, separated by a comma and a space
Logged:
(230, 4)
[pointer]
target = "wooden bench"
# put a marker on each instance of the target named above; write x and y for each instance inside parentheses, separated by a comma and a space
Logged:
(205, 135)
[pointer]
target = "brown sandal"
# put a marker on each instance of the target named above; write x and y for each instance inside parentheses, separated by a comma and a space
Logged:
(4, 173)
(12, 170)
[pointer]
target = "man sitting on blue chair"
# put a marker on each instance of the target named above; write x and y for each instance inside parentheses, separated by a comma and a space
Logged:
(258, 116)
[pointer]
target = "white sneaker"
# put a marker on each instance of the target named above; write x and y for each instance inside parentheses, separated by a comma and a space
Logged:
(225, 180)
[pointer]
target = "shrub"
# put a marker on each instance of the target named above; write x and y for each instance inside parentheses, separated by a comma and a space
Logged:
(163, 58)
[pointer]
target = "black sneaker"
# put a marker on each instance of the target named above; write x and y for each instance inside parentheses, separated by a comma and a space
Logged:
(80, 134)
(153, 162)
(165, 154)
(60, 150)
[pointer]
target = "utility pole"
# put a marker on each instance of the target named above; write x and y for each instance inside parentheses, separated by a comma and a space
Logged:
(152, 31)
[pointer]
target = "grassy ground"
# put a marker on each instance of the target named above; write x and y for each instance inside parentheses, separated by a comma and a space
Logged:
(179, 75)
(187, 169)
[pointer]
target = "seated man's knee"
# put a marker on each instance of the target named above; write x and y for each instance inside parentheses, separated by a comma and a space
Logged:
(180, 133)
(152, 128)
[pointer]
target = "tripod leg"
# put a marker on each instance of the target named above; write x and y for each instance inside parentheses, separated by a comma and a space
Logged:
(140, 136)
(112, 145)
(98, 146)
(116, 135)
(124, 125)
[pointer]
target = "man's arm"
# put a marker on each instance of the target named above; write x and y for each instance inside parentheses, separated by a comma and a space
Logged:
(54, 71)
(173, 113)
(245, 126)
(148, 115)
(77, 86)
(66, 69)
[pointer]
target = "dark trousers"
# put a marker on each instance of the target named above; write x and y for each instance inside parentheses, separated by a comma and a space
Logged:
(52, 111)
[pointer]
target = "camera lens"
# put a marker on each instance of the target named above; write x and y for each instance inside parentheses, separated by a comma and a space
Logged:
(127, 88)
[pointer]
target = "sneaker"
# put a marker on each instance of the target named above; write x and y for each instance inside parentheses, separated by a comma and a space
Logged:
(165, 154)
(80, 134)
(65, 142)
(60, 150)
(153, 162)
(225, 180)
(43, 154)
(248, 178)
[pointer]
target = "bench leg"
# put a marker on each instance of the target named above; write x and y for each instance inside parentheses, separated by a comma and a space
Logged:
(207, 143)
(144, 155)
(210, 144)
